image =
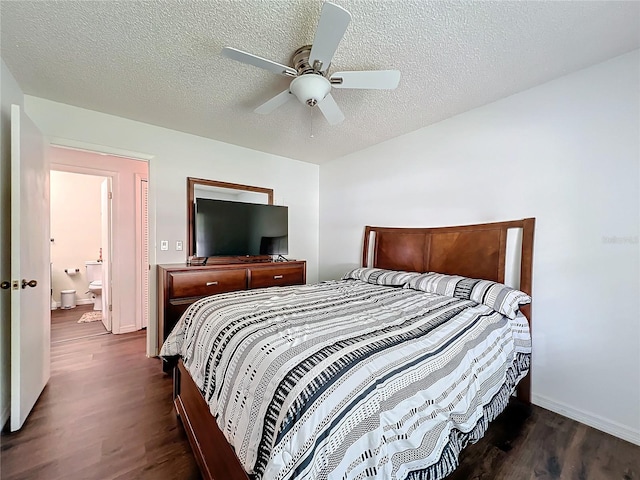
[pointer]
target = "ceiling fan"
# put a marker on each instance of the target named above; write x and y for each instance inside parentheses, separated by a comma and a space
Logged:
(311, 83)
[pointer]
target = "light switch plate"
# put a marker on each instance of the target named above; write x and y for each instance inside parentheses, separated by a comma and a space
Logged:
(164, 245)
(178, 245)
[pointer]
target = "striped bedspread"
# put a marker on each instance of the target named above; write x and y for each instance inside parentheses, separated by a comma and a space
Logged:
(349, 380)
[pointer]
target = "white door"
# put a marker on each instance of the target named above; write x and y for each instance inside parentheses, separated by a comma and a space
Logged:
(144, 257)
(105, 216)
(30, 256)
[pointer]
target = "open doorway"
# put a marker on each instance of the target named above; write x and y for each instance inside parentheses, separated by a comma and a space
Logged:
(80, 246)
(122, 296)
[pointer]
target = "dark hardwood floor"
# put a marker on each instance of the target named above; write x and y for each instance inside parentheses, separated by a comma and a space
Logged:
(529, 442)
(65, 326)
(107, 414)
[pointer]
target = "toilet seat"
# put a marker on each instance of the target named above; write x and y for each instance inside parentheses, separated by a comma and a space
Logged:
(96, 284)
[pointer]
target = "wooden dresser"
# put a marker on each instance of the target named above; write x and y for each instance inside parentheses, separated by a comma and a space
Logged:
(180, 285)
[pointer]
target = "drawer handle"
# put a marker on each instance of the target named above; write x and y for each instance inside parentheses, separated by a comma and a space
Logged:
(211, 283)
(277, 277)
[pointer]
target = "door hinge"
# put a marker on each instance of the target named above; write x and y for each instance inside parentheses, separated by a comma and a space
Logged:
(110, 308)
(110, 195)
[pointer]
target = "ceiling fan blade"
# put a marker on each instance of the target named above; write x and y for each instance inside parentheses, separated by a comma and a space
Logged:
(277, 101)
(330, 110)
(333, 23)
(374, 79)
(256, 61)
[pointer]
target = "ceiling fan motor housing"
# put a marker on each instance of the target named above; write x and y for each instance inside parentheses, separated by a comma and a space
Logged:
(300, 60)
(310, 88)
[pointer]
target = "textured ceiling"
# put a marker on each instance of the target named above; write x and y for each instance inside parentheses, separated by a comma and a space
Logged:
(159, 62)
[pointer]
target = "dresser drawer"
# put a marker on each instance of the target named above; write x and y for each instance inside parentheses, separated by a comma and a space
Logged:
(181, 285)
(276, 276)
(206, 282)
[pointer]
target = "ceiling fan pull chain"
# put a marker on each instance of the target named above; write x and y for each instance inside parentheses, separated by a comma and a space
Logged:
(311, 123)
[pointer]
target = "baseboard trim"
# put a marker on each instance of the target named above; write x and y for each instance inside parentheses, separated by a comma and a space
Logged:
(128, 329)
(596, 421)
(79, 301)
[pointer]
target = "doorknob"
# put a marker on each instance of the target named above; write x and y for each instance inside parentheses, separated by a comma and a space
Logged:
(31, 283)
(5, 285)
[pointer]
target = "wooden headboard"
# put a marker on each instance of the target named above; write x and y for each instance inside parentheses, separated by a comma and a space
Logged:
(474, 251)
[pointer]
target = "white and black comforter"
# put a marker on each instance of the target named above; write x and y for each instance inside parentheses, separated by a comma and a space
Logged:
(349, 380)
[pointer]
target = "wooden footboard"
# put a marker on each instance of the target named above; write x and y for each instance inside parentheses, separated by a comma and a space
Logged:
(215, 457)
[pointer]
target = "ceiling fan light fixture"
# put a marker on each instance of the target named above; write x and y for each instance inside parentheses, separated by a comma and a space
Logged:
(310, 89)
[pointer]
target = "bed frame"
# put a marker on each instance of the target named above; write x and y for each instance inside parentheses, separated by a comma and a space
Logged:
(475, 251)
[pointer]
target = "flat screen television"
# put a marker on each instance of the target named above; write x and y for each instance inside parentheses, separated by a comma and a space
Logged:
(225, 228)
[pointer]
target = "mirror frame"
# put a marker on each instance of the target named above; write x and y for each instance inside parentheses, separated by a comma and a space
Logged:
(191, 184)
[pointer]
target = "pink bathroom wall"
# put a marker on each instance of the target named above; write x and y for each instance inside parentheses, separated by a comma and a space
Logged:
(75, 231)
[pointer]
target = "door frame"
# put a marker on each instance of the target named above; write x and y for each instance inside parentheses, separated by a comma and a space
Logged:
(152, 327)
(113, 175)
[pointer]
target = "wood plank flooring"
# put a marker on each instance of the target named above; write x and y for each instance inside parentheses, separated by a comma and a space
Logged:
(65, 326)
(529, 442)
(107, 414)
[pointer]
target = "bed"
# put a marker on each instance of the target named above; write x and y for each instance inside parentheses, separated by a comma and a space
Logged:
(386, 373)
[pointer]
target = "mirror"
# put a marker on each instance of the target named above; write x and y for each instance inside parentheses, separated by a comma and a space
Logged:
(201, 188)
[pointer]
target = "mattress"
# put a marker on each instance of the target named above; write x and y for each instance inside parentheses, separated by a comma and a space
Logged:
(350, 380)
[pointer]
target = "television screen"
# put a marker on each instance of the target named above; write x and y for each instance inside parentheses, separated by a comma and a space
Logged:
(225, 228)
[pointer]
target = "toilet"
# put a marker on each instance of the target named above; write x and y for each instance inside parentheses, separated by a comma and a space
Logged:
(94, 275)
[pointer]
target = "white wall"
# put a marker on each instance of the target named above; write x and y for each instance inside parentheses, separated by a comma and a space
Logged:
(178, 155)
(75, 230)
(567, 153)
(10, 93)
